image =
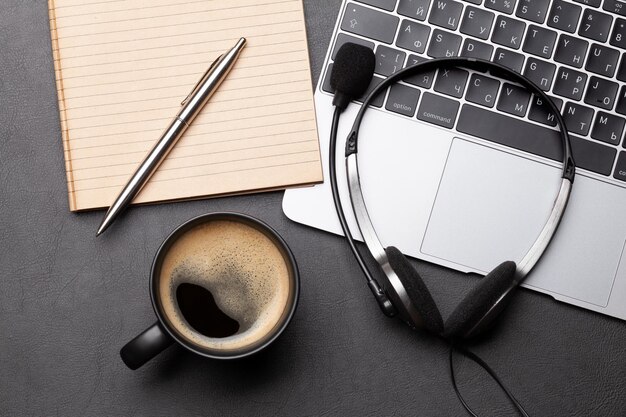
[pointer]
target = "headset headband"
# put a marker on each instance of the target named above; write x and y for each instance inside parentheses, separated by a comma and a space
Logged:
(354, 185)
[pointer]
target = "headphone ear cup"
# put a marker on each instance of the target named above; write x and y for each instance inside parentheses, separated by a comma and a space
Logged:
(479, 301)
(416, 290)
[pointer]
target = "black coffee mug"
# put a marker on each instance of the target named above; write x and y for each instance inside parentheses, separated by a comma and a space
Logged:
(163, 334)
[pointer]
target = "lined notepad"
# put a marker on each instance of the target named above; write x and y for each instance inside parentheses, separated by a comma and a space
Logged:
(124, 66)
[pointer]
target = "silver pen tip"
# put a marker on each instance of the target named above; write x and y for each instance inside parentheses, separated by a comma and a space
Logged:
(240, 43)
(104, 225)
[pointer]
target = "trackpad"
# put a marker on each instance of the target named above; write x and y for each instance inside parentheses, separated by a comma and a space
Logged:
(491, 206)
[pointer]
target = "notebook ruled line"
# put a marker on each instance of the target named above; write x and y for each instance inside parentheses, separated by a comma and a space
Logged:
(117, 103)
(191, 145)
(204, 164)
(178, 5)
(181, 85)
(181, 65)
(174, 108)
(211, 174)
(90, 4)
(112, 32)
(217, 51)
(179, 96)
(186, 3)
(188, 134)
(173, 15)
(195, 155)
(160, 47)
(195, 73)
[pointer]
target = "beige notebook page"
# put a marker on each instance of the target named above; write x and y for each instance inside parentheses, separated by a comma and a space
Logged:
(124, 66)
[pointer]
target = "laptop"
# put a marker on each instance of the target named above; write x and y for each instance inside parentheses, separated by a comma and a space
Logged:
(445, 171)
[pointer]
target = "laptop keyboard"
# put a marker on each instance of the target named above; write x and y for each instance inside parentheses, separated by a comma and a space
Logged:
(573, 50)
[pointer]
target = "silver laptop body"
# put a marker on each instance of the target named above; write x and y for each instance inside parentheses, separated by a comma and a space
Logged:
(440, 191)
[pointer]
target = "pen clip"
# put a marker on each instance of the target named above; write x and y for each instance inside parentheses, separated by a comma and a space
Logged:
(204, 77)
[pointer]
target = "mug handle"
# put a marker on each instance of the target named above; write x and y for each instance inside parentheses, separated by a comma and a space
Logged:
(145, 346)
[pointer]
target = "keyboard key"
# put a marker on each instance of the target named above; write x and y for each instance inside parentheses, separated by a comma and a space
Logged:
(482, 90)
(476, 49)
(369, 23)
(601, 93)
(509, 59)
(602, 60)
(532, 138)
(534, 10)
(618, 37)
(477, 22)
(446, 13)
(388, 60)
(593, 156)
(593, 3)
(608, 128)
(595, 25)
(513, 100)
(571, 51)
(451, 82)
(413, 36)
(540, 72)
(504, 6)
(424, 79)
(577, 118)
(620, 107)
(540, 112)
(402, 99)
(621, 70)
(444, 44)
(564, 16)
(343, 38)
(620, 167)
(539, 41)
(378, 102)
(614, 6)
(508, 32)
(474, 1)
(388, 5)
(570, 83)
(438, 110)
(416, 9)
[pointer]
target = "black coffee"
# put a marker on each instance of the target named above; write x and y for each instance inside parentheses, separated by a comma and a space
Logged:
(224, 285)
(198, 307)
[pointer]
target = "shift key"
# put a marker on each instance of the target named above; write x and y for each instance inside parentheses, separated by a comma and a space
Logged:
(438, 110)
(370, 23)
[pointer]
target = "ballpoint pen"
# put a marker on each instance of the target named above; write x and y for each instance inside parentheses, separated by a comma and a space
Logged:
(191, 107)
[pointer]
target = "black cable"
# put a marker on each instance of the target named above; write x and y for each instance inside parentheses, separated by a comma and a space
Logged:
(472, 356)
(332, 160)
(337, 199)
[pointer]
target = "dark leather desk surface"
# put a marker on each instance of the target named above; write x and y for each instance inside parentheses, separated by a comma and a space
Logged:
(69, 301)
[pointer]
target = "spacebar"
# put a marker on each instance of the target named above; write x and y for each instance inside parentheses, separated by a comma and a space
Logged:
(535, 139)
(509, 131)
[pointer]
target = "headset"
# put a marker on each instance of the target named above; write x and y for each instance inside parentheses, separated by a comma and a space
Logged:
(404, 293)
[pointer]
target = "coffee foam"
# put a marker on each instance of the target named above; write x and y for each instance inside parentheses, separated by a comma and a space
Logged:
(243, 269)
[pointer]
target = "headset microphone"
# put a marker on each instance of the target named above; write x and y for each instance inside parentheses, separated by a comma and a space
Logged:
(352, 73)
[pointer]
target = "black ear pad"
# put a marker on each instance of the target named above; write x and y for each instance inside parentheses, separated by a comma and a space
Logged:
(416, 290)
(479, 300)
